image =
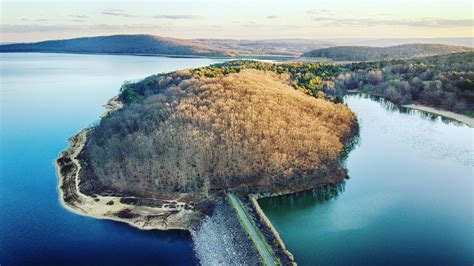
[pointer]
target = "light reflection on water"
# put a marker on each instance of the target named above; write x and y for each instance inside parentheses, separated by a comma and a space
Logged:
(408, 199)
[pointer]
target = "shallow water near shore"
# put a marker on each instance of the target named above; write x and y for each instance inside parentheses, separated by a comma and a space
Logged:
(45, 99)
(409, 199)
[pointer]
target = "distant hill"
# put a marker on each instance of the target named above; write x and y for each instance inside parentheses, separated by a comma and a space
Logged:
(281, 47)
(156, 45)
(367, 53)
(119, 44)
(385, 42)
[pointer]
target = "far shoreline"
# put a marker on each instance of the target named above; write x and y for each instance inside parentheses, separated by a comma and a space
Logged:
(240, 57)
(469, 121)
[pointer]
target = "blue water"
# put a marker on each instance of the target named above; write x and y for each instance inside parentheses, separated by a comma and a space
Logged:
(44, 99)
(409, 199)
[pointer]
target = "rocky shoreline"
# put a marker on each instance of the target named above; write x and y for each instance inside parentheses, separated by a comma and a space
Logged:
(170, 215)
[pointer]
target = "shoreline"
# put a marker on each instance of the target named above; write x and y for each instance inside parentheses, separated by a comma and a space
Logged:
(469, 121)
(239, 57)
(110, 207)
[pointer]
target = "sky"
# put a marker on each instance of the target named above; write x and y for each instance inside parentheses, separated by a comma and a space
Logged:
(25, 21)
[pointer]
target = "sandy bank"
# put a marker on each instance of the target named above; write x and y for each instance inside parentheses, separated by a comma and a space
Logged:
(109, 207)
(469, 121)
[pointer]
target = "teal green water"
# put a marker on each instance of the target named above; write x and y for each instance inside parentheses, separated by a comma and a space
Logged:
(409, 199)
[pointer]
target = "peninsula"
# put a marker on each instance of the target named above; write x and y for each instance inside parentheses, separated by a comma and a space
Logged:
(184, 137)
(171, 146)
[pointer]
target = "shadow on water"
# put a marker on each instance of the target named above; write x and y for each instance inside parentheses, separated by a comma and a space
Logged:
(305, 199)
(388, 105)
(316, 196)
(405, 204)
(131, 247)
(350, 146)
(309, 198)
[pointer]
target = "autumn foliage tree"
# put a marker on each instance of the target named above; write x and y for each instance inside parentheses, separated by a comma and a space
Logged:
(192, 133)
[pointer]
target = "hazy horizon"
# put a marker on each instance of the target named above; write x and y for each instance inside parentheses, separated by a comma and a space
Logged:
(31, 21)
(375, 42)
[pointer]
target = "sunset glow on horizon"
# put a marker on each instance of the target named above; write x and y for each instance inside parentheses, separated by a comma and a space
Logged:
(42, 20)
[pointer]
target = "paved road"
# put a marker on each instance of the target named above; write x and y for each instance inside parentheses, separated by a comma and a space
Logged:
(250, 228)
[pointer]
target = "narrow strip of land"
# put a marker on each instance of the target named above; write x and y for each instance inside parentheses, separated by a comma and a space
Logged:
(469, 121)
(257, 238)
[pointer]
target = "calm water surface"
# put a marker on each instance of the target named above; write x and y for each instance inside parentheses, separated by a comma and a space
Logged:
(409, 199)
(44, 99)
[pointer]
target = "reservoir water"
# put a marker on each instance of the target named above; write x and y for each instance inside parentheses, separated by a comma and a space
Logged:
(44, 99)
(409, 199)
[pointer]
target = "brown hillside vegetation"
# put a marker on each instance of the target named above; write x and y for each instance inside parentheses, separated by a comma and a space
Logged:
(367, 53)
(120, 44)
(249, 130)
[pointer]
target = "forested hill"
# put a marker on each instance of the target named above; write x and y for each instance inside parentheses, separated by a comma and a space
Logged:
(156, 45)
(203, 130)
(119, 44)
(367, 53)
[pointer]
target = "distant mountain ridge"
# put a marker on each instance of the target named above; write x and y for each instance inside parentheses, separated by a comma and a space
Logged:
(368, 53)
(156, 45)
(283, 47)
(119, 44)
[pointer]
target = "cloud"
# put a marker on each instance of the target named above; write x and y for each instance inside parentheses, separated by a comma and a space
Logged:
(79, 16)
(253, 24)
(35, 28)
(46, 20)
(113, 10)
(177, 17)
(372, 22)
(10, 28)
(273, 17)
(318, 12)
(117, 13)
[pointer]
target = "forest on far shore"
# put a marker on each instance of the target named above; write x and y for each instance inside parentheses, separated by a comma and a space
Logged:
(368, 53)
(443, 81)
